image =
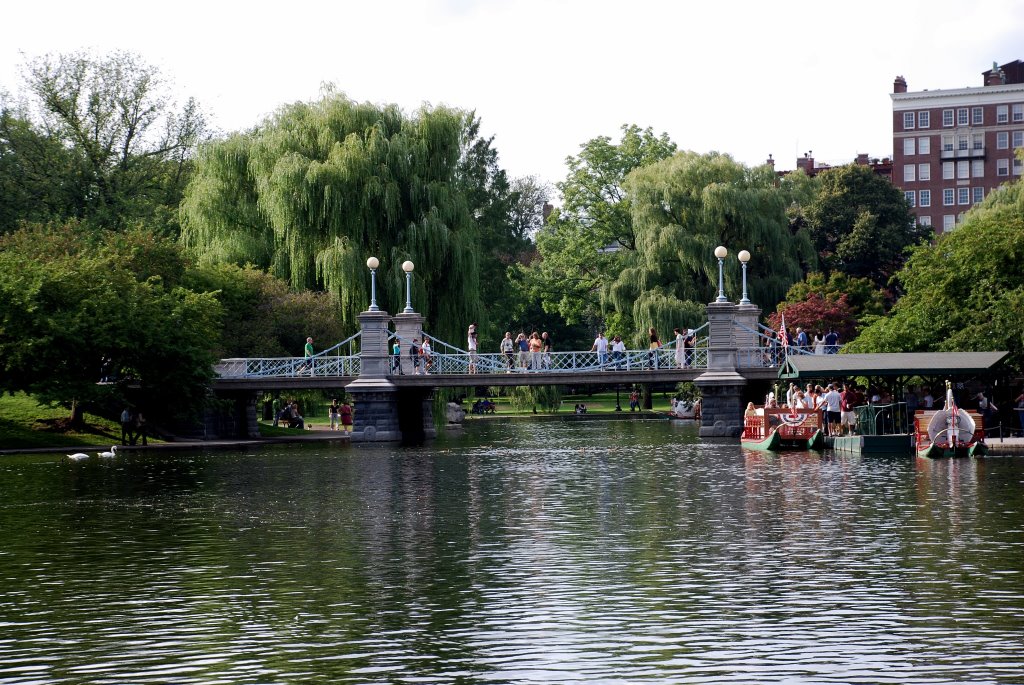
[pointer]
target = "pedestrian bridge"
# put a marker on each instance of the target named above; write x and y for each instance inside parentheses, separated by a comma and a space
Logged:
(450, 366)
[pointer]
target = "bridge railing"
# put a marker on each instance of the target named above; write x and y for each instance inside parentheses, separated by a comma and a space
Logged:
(460, 363)
(321, 364)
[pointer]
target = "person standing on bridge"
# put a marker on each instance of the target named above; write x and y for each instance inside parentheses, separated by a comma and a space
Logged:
(652, 355)
(680, 347)
(535, 348)
(414, 354)
(426, 353)
(507, 348)
(545, 340)
(471, 346)
(601, 347)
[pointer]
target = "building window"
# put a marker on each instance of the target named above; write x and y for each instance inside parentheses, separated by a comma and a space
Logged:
(924, 220)
(908, 172)
(947, 117)
(963, 169)
(947, 143)
(1002, 167)
(1016, 167)
(963, 196)
(910, 197)
(963, 141)
(924, 145)
(924, 172)
(926, 198)
(977, 115)
(948, 172)
(1002, 140)
(924, 119)
(1002, 114)
(979, 194)
(961, 117)
(1018, 138)
(1018, 113)
(908, 146)
(947, 197)
(978, 141)
(948, 222)
(978, 168)
(908, 120)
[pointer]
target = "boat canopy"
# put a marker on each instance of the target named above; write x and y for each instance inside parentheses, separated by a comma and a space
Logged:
(891, 364)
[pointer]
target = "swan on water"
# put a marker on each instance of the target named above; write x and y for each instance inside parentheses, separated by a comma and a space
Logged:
(78, 456)
(111, 453)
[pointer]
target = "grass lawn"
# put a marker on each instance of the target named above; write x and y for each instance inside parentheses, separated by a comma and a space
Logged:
(26, 424)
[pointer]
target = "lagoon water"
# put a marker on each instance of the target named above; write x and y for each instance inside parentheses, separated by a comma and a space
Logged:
(515, 552)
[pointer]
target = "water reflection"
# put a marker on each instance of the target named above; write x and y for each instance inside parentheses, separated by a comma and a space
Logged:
(518, 552)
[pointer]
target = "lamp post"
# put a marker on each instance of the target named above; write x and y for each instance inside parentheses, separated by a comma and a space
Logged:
(721, 253)
(744, 257)
(407, 267)
(372, 263)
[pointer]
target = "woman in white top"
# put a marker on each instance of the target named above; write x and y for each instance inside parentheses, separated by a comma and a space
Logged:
(680, 347)
(819, 343)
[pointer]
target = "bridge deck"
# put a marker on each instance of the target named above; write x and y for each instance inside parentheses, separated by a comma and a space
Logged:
(485, 379)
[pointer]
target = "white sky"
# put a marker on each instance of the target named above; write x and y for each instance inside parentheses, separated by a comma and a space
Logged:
(746, 78)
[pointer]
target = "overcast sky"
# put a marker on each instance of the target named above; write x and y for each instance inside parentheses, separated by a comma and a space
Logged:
(746, 78)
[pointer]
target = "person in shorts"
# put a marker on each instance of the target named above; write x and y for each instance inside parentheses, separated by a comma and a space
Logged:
(848, 417)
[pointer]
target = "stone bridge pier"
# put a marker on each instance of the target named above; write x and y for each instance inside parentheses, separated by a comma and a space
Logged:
(722, 387)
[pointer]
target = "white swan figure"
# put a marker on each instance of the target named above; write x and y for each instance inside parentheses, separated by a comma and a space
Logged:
(78, 456)
(111, 453)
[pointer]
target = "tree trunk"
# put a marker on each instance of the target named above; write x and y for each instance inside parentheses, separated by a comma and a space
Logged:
(647, 397)
(77, 418)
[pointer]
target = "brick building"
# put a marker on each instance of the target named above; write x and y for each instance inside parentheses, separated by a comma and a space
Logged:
(953, 147)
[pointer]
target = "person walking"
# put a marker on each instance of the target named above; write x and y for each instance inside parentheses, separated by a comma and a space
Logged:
(335, 414)
(396, 357)
(523, 345)
(140, 429)
(547, 349)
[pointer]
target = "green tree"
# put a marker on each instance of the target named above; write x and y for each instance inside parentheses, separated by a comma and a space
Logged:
(819, 302)
(685, 206)
(319, 187)
(861, 224)
(964, 292)
(262, 316)
(73, 302)
(584, 242)
(121, 145)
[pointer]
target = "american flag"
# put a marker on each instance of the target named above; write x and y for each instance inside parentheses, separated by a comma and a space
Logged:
(783, 336)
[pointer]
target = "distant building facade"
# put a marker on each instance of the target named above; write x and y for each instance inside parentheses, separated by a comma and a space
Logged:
(881, 167)
(953, 147)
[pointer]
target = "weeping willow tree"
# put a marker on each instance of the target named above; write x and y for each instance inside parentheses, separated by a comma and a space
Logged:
(319, 187)
(685, 206)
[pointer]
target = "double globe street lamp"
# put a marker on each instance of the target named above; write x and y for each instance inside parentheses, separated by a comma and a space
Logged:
(721, 253)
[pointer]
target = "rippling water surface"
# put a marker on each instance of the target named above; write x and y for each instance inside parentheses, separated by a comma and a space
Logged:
(517, 552)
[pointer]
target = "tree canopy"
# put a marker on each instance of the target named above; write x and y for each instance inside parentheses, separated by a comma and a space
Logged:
(75, 306)
(861, 224)
(584, 240)
(319, 187)
(964, 292)
(683, 208)
(96, 139)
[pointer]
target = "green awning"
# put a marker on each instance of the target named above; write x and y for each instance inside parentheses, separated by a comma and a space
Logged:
(951, 364)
